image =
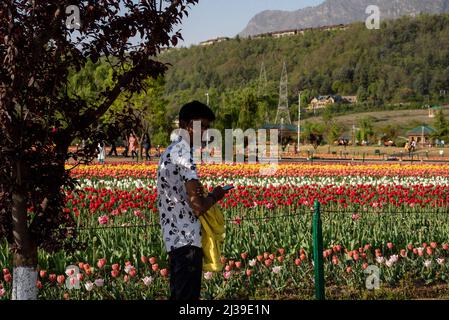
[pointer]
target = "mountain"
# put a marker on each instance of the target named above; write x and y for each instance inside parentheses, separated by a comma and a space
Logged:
(333, 12)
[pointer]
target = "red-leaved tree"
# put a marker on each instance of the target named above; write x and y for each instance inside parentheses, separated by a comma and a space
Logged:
(41, 43)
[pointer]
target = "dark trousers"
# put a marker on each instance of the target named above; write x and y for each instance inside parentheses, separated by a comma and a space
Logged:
(147, 154)
(113, 151)
(186, 265)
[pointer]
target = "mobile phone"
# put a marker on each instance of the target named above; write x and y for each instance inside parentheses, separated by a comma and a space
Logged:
(227, 188)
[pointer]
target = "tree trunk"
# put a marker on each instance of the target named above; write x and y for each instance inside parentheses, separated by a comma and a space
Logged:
(25, 258)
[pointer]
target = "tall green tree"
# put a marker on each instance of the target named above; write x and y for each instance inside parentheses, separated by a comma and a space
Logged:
(441, 125)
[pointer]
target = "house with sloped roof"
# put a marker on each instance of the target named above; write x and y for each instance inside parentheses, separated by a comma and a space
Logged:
(322, 102)
(422, 135)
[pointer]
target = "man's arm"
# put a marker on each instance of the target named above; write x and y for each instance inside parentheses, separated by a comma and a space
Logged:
(198, 202)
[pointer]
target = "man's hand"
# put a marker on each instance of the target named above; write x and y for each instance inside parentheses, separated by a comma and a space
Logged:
(198, 201)
(219, 193)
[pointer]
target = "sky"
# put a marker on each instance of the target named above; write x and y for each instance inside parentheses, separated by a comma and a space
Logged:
(217, 18)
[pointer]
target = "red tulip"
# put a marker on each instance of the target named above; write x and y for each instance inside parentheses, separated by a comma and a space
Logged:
(238, 264)
(42, 274)
(60, 279)
(101, 263)
(116, 267)
(297, 262)
(114, 273)
(433, 245)
(410, 247)
(268, 262)
(335, 260)
(281, 251)
(248, 272)
(39, 284)
(244, 255)
(143, 259)
(389, 245)
(7, 277)
(52, 277)
(164, 272)
(155, 267)
(152, 260)
(259, 258)
(348, 269)
(446, 246)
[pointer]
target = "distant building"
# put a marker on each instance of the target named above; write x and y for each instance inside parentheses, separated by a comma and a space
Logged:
(293, 32)
(422, 135)
(284, 33)
(322, 102)
(213, 41)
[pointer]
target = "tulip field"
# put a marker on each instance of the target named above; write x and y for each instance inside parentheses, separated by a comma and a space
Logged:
(392, 216)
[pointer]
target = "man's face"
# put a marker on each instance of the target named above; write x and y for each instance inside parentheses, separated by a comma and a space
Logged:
(205, 125)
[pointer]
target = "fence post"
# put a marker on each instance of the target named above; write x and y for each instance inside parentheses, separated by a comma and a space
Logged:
(318, 252)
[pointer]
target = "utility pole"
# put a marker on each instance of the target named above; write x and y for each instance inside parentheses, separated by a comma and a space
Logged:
(422, 135)
(207, 133)
(353, 135)
(299, 121)
(282, 127)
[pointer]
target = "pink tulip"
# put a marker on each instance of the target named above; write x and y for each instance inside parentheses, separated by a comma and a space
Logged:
(101, 263)
(103, 219)
(164, 272)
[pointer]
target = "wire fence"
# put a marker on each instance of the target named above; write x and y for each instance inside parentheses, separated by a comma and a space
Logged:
(236, 220)
(239, 220)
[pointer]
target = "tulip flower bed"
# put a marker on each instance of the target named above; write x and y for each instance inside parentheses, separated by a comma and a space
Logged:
(391, 216)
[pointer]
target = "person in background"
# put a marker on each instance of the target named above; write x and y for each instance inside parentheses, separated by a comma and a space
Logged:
(113, 149)
(101, 152)
(126, 145)
(133, 146)
(147, 147)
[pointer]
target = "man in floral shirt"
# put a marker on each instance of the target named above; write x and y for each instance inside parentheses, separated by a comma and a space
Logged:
(181, 201)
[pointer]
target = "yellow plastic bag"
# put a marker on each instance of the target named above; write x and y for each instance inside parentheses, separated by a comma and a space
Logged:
(213, 234)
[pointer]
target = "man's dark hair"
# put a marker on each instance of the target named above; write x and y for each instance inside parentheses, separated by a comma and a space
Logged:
(195, 110)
